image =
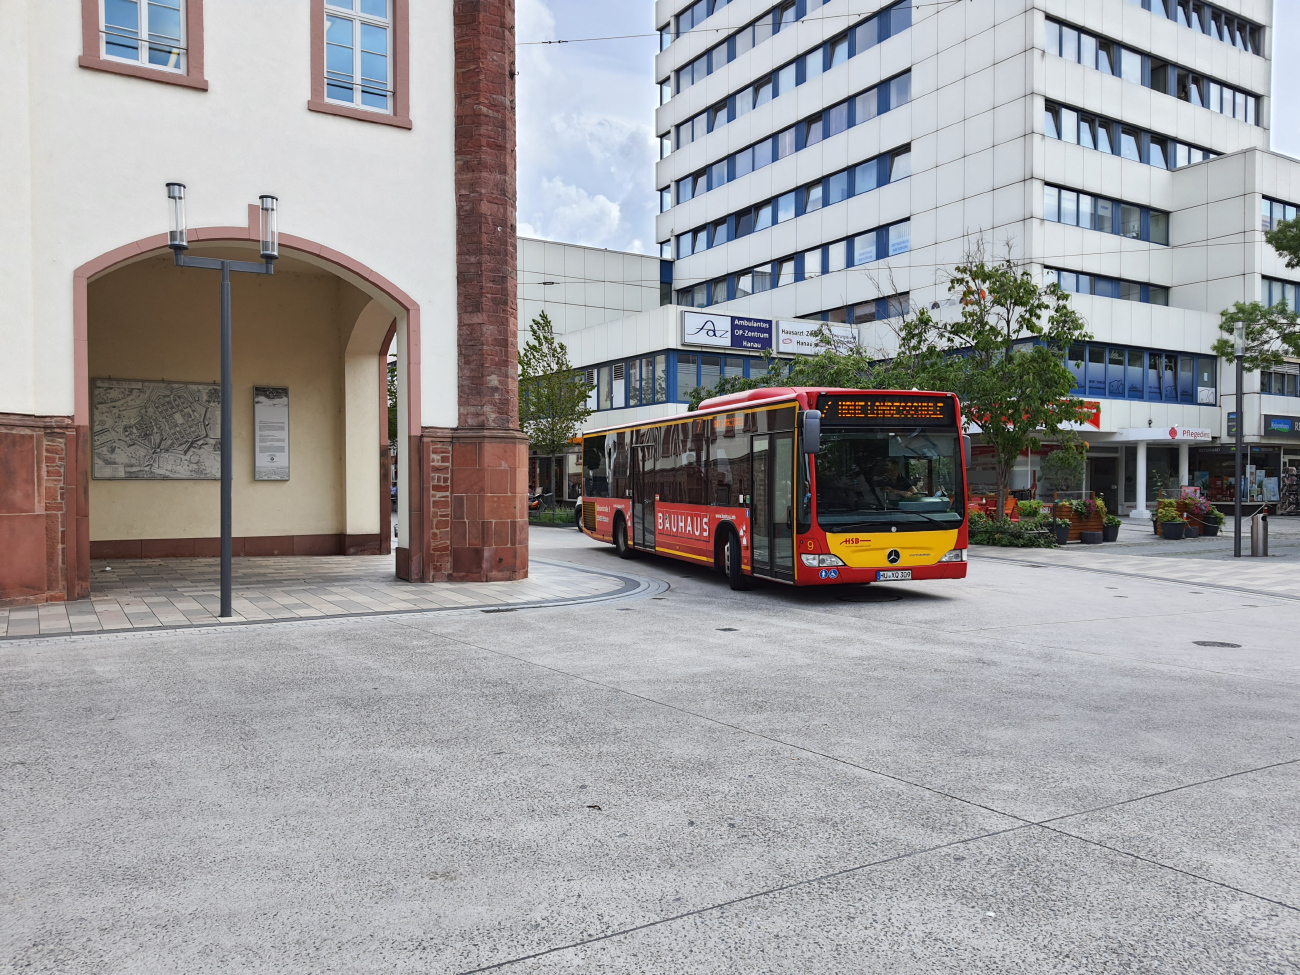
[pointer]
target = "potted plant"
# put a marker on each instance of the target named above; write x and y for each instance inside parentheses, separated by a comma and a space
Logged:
(1214, 519)
(1029, 510)
(1062, 528)
(1170, 521)
(1110, 529)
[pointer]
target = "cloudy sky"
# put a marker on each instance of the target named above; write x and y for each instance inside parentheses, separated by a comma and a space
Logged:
(586, 119)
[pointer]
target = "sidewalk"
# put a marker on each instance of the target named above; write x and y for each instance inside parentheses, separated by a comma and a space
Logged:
(150, 594)
(1139, 553)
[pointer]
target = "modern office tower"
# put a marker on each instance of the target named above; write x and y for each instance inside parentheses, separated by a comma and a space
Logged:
(833, 161)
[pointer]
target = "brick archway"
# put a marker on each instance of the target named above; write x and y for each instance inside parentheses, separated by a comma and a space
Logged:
(76, 474)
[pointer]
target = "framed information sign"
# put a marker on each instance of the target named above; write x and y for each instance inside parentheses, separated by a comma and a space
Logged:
(271, 433)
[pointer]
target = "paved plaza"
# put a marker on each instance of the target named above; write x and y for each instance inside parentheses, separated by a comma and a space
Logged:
(1052, 766)
(146, 594)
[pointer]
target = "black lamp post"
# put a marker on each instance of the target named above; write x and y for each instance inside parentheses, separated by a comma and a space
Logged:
(1239, 340)
(179, 243)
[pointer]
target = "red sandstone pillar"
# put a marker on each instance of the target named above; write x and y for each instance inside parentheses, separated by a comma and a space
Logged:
(476, 516)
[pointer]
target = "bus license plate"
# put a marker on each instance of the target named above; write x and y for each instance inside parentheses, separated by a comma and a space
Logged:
(894, 575)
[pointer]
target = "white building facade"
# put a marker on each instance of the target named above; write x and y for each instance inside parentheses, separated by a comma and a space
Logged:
(833, 161)
(381, 192)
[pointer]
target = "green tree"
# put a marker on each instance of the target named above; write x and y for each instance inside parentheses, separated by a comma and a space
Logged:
(1285, 238)
(1271, 333)
(1005, 357)
(392, 402)
(552, 394)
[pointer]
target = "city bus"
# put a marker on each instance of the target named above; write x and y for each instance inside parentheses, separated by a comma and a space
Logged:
(803, 486)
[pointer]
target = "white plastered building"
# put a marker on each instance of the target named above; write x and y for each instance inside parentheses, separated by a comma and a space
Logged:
(321, 104)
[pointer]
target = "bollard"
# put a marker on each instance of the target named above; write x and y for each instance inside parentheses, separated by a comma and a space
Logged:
(1259, 534)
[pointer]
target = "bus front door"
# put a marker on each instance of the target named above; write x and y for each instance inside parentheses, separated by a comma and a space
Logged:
(772, 511)
(643, 499)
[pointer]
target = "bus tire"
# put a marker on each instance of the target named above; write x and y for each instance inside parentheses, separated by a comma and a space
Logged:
(577, 516)
(625, 550)
(733, 563)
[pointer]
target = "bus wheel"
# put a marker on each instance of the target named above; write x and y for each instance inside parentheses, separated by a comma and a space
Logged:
(577, 516)
(625, 551)
(733, 563)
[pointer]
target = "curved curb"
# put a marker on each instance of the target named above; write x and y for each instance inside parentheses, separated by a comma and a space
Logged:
(631, 587)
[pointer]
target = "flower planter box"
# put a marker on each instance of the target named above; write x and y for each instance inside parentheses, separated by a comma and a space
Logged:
(1210, 528)
(1091, 538)
(1110, 533)
(1079, 525)
(1172, 530)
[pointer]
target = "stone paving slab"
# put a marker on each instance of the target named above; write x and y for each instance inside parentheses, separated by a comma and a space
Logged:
(181, 593)
(1274, 577)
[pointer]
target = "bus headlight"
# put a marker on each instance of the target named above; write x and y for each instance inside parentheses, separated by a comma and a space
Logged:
(956, 555)
(813, 561)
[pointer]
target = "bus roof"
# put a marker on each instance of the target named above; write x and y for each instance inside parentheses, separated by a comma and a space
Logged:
(764, 396)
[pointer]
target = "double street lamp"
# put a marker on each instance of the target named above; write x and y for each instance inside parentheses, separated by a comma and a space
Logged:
(178, 241)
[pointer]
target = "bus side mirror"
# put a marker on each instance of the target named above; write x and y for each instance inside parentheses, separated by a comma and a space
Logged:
(811, 435)
(965, 450)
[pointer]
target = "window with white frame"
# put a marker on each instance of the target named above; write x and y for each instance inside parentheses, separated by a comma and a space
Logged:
(146, 32)
(358, 53)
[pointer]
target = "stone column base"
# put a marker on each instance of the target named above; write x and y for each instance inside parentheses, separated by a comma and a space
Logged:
(44, 553)
(468, 507)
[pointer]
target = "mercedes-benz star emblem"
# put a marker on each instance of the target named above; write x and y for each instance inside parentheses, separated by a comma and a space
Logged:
(893, 556)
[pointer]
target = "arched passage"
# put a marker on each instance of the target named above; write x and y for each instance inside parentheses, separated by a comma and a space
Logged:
(369, 313)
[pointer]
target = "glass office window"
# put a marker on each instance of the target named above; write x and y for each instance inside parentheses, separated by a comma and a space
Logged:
(1075, 362)
(1186, 379)
(634, 383)
(1096, 370)
(710, 371)
(1154, 363)
(687, 375)
(1115, 363)
(1205, 381)
(1135, 380)
(1169, 379)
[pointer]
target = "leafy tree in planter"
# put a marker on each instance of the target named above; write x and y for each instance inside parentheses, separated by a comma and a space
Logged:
(552, 394)
(1063, 469)
(1005, 357)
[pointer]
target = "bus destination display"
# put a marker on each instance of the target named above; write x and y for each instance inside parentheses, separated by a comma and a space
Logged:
(887, 411)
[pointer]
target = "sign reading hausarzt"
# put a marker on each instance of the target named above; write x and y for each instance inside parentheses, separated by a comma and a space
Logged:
(726, 331)
(806, 338)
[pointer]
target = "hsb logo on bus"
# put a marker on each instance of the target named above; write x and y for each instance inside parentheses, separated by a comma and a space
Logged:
(676, 524)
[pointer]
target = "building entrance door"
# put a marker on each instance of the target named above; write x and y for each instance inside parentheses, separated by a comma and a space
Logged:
(1103, 478)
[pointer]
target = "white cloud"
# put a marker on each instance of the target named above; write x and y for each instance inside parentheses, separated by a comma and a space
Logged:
(585, 125)
(576, 216)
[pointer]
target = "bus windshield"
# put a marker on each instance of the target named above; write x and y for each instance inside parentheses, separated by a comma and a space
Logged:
(909, 479)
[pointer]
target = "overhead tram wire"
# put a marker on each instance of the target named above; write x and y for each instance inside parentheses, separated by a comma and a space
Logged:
(715, 30)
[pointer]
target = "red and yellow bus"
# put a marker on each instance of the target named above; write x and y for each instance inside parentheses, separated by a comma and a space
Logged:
(797, 485)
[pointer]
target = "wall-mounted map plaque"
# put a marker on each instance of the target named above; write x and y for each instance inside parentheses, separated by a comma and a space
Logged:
(146, 430)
